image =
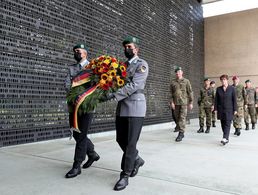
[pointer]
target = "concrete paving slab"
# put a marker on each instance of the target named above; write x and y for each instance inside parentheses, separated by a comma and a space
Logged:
(198, 165)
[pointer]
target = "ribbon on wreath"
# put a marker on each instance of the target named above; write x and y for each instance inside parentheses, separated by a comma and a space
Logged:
(82, 78)
(79, 101)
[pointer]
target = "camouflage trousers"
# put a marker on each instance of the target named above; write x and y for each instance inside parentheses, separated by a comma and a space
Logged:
(180, 113)
(250, 111)
(237, 120)
(205, 113)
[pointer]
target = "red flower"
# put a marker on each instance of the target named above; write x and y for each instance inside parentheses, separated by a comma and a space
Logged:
(105, 69)
(113, 60)
(105, 87)
(110, 84)
(101, 58)
(104, 64)
(124, 74)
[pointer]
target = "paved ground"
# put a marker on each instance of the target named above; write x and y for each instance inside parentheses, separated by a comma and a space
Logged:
(197, 166)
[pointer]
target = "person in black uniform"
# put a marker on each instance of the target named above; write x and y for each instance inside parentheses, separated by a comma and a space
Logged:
(83, 143)
(226, 106)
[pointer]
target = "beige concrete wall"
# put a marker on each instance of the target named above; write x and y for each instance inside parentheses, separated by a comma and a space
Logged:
(231, 45)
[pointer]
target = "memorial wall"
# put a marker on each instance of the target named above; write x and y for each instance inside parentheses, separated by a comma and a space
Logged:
(37, 37)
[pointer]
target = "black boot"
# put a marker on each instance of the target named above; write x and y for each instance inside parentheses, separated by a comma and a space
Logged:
(246, 126)
(207, 130)
(180, 137)
(200, 130)
(93, 156)
(238, 132)
(235, 133)
(253, 125)
(122, 182)
(213, 124)
(76, 170)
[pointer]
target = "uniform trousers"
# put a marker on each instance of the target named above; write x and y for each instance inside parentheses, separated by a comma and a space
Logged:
(225, 125)
(83, 143)
(205, 112)
(180, 116)
(128, 131)
(237, 120)
(250, 112)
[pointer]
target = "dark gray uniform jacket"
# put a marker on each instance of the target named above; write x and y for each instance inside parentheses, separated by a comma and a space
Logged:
(73, 70)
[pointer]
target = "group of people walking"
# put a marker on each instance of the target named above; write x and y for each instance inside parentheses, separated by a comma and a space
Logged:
(229, 102)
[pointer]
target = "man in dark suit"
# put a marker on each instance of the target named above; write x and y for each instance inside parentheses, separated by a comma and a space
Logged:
(83, 143)
(225, 106)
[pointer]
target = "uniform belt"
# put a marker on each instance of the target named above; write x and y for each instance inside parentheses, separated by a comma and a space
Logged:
(139, 91)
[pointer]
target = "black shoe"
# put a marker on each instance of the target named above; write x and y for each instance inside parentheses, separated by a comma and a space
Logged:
(238, 132)
(224, 141)
(92, 158)
(207, 130)
(73, 172)
(253, 126)
(138, 163)
(180, 137)
(122, 183)
(200, 130)
(247, 127)
(213, 124)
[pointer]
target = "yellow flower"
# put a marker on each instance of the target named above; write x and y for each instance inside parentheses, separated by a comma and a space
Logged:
(104, 77)
(122, 68)
(102, 82)
(112, 73)
(107, 61)
(110, 78)
(100, 70)
(120, 82)
(114, 64)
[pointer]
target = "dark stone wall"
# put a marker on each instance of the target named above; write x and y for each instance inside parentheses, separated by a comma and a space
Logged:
(37, 37)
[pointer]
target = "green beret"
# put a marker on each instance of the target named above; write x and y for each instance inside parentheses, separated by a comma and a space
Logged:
(247, 81)
(177, 68)
(80, 46)
(131, 39)
(206, 79)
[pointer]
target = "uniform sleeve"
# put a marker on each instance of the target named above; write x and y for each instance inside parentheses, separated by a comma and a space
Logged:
(137, 82)
(189, 92)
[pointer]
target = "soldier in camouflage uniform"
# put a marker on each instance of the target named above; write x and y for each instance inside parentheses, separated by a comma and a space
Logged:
(240, 96)
(206, 105)
(250, 104)
(212, 84)
(181, 96)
